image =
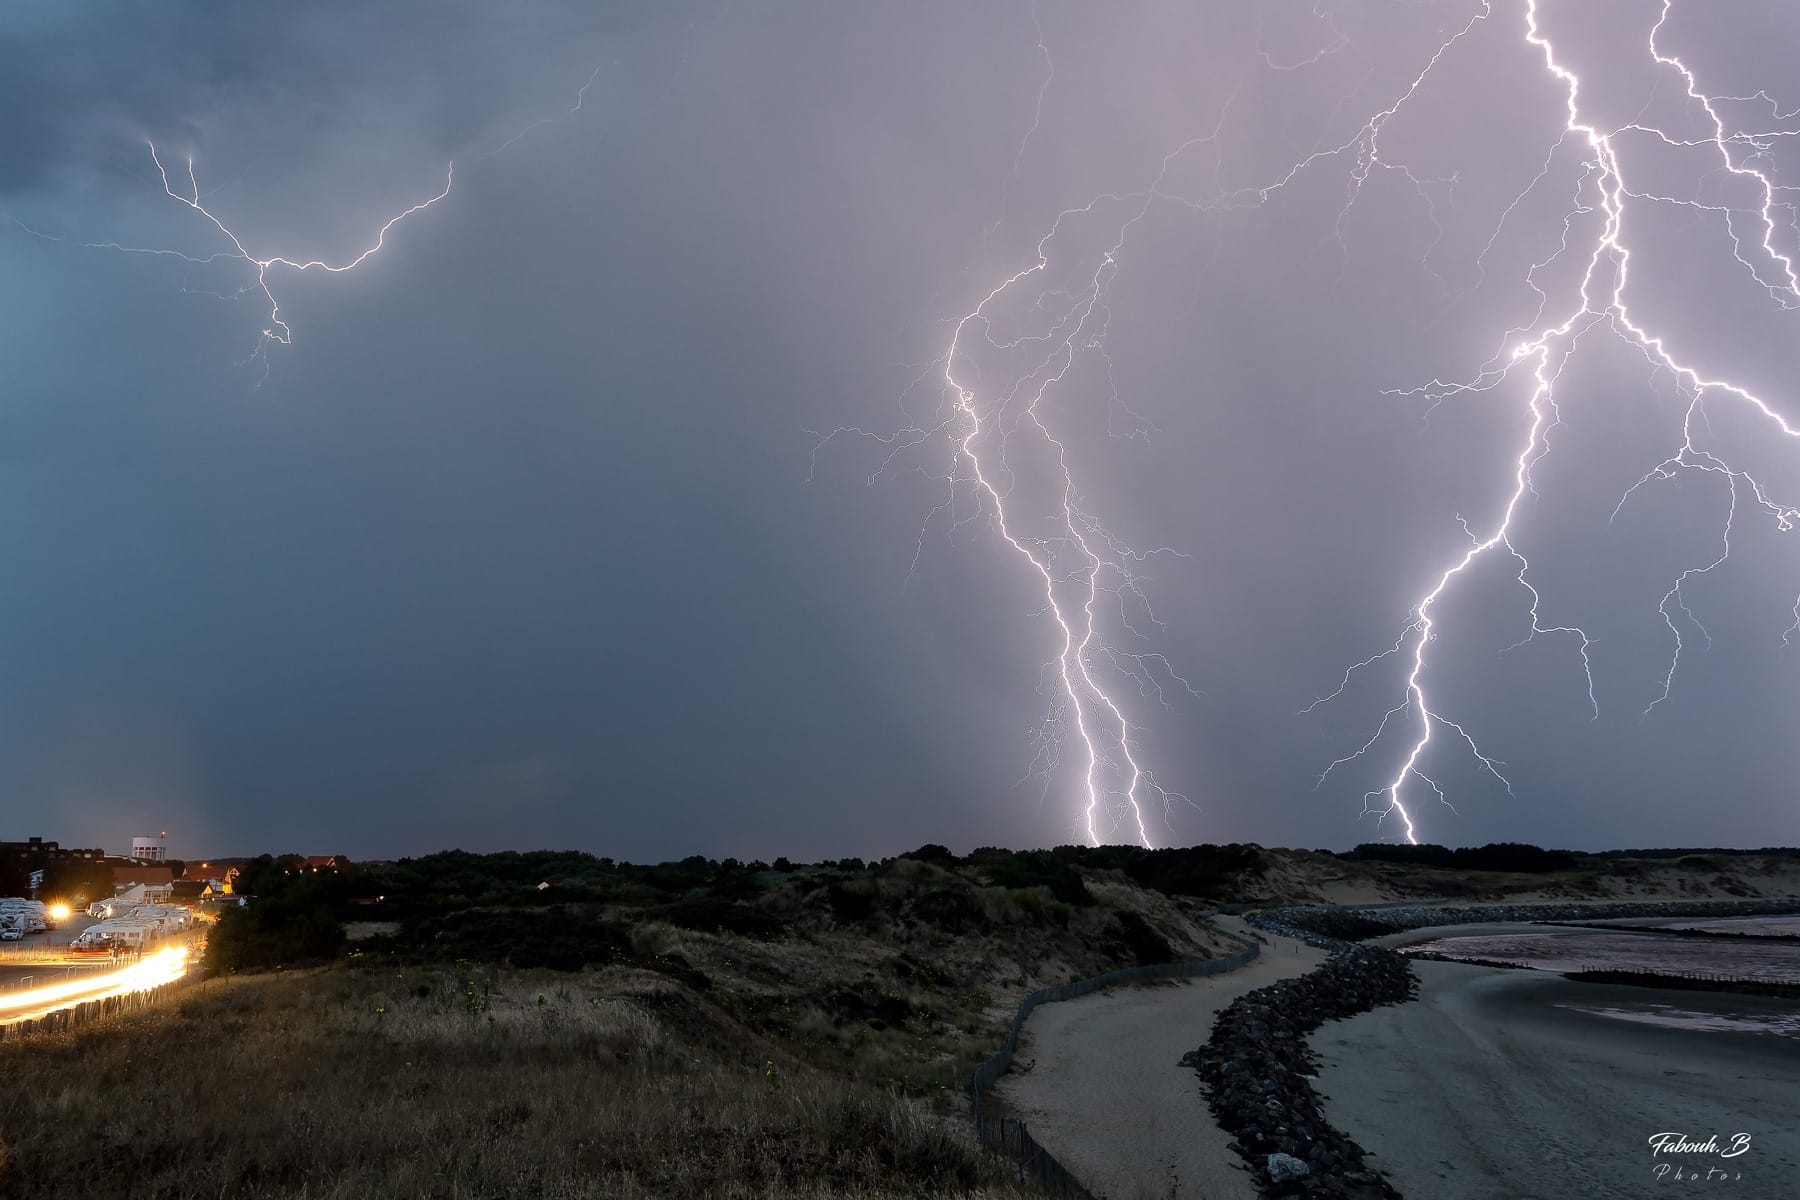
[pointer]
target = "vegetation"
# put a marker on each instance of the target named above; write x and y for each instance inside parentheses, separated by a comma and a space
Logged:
(565, 909)
(69, 878)
(359, 1083)
(563, 1025)
(1496, 856)
(899, 974)
(280, 931)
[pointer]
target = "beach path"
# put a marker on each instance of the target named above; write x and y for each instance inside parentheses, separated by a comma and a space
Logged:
(1108, 1097)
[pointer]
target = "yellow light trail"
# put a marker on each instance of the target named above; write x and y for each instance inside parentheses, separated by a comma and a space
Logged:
(165, 966)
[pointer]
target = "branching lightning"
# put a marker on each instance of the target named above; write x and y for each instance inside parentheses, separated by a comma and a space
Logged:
(997, 433)
(1019, 363)
(276, 328)
(1601, 301)
(1001, 442)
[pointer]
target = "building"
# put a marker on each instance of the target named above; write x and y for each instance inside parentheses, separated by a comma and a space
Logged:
(146, 893)
(220, 879)
(38, 851)
(320, 862)
(141, 876)
(151, 849)
(188, 891)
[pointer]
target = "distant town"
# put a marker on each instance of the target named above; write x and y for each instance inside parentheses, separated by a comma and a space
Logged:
(68, 879)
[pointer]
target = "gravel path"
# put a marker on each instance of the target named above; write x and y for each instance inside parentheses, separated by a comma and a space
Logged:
(1107, 1095)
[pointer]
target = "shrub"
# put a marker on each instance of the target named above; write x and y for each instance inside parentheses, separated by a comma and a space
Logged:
(1031, 903)
(272, 933)
(1495, 856)
(1037, 868)
(950, 909)
(709, 914)
(848, 905)
(551, 938)
(931, 852)
(1139, 942)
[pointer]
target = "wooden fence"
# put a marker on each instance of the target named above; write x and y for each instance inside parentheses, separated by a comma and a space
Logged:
(1032, 1163)
(64, 1019)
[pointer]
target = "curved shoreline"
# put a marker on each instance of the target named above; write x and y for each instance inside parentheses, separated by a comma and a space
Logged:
(1108, 1097)
(1516, 1085)
(1335, 926)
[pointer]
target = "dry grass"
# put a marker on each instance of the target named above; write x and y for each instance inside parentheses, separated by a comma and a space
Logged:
(829, 1059)
(905, 1003)
(346, 1084)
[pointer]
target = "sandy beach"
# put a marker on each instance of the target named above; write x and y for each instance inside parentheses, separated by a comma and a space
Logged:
(1107, 1095)
(1508, 1085)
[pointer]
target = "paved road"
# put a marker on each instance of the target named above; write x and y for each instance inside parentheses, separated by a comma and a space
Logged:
(1108, 1097)
(55, 990)
(28, 959)
(1491, 1088)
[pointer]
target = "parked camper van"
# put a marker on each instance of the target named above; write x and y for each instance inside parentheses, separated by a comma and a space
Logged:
(31, 912)
(116, 935)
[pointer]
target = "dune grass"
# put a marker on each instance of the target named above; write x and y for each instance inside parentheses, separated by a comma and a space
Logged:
(456, 1083)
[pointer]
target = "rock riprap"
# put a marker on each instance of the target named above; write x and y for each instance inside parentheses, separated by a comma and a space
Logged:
(1257, 1069)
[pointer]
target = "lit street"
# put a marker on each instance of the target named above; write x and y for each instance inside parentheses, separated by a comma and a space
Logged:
(31, 995)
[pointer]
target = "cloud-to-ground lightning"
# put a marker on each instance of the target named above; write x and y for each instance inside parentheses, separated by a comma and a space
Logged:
(1009, 467)
(1001, 442)
(1025, 368)
(1598, 225)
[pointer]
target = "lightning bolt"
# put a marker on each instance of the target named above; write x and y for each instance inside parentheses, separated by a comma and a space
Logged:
(276, 329)
(1600, 302)
(1076, 557)
(1032, 349)
(1011, 468)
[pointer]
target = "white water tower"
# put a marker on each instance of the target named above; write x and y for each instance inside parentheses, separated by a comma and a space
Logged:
(155, 849)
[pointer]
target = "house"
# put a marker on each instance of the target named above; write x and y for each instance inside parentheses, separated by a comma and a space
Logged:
(220, 879)
(136, 876)
(188, 891)
(146, 893)
(319, 862)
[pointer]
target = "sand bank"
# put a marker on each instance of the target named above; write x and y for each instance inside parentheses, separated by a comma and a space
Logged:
(1504, 1085)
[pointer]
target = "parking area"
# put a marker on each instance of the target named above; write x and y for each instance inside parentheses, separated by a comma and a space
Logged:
(38, 956)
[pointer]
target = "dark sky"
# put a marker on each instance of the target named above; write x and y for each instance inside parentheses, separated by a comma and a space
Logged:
(528, 539)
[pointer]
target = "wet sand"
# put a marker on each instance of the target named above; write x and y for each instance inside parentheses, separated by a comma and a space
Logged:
(1108, 1098)
(1499, 1085)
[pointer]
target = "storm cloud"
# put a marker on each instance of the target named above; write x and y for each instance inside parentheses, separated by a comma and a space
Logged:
(529, 539)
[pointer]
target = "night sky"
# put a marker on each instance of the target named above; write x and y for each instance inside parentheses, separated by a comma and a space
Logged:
(529, 538)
